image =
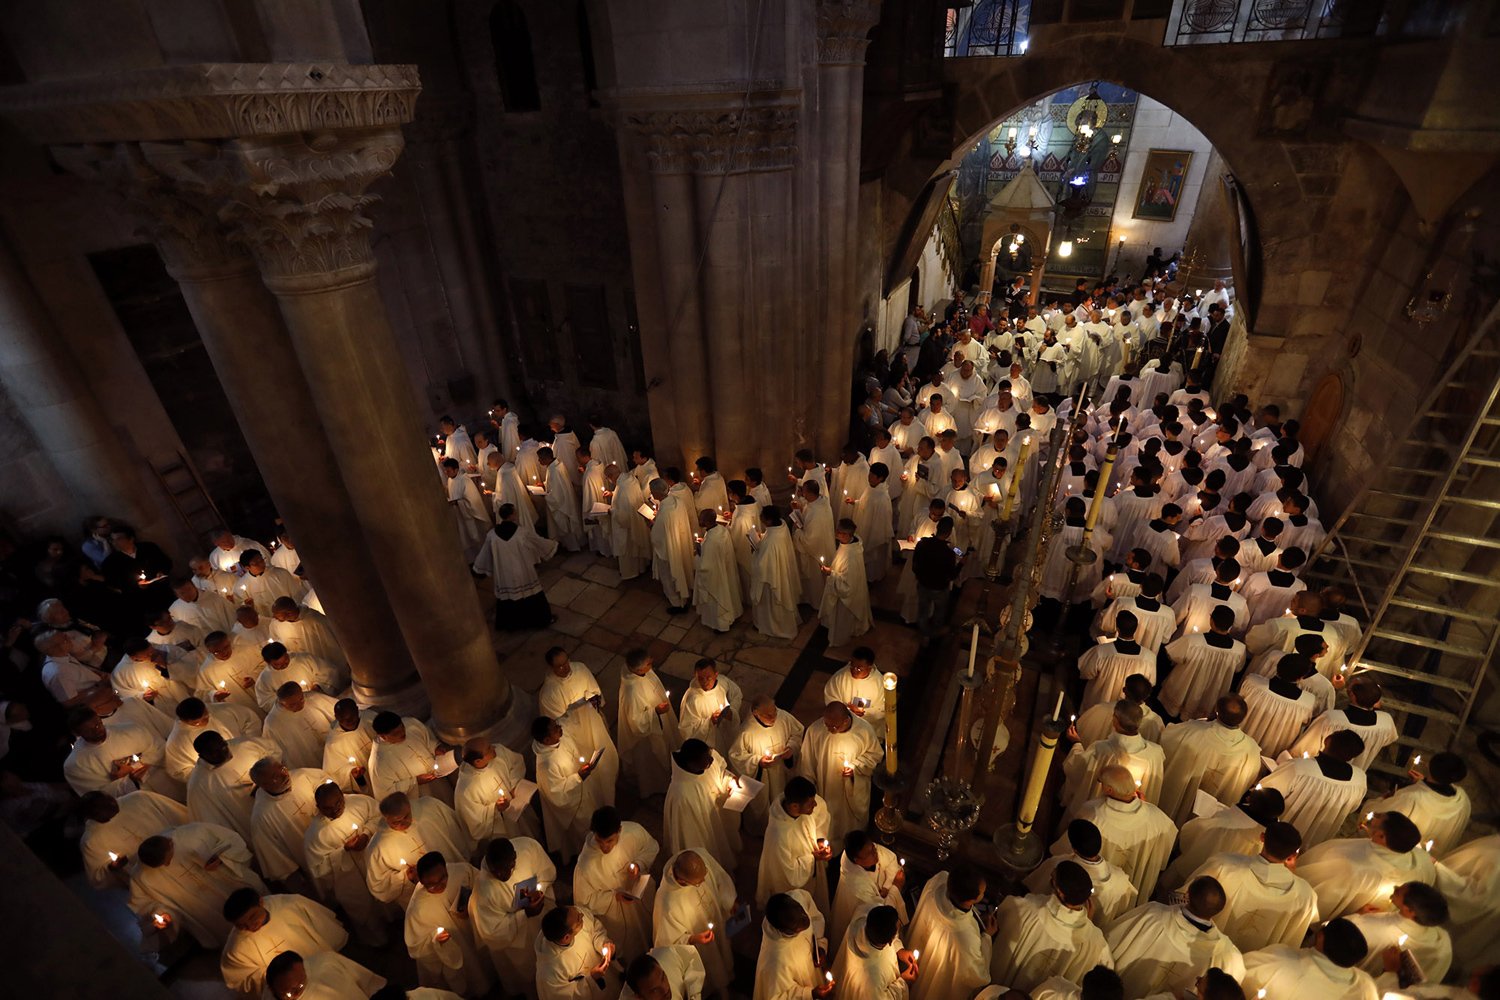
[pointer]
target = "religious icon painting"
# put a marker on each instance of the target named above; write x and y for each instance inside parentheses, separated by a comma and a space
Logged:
(1162, 184)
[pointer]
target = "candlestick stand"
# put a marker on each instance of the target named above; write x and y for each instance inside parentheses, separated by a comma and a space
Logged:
(888, 817)
(1019, 847)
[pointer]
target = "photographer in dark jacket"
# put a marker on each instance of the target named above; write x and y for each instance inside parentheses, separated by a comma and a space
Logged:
(936, 564)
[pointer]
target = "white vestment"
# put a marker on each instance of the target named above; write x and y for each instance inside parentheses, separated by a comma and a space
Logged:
(712, 716)
(478, 792)
(278, 824)
(395, 767)
(694, 816)
(1157, 949)
(775, 584)
(569, 798)
(1113, 892)
(1137, 837)
(1469, 879)
(307, 670)
(311, 633)
(1040, 938)
(1377, 735)
(1432, 947)
(563, 972)
(786, 854)
(956, 952)
(683, 969)
(1353, 873)
(823, 758)
(599, 878)
(785, 968)
(301, 735)
(1442, 818)
(1137, 754)
(1105, 666)
(229, 721)
(864, 971)
(296, 924)
(1228, 831)
(564, 526)
(469, 514)
(222, 794)
(629, 534)
(1273, 720)
(331, 976)
(860, 888)
(815, 544)
(873, 524)
(505, 930)
(865, 695)
(647, 737)
(392, 852)
(672, 548)
(755, 742)
(142, 814)
(1266, 903)
(187, 892)
(846, 595)
(1315, 804)
(682, 911)
(339, 873)
(344, 750)
(1202, 672)
(716, 581)
(567, 700)
(1287, 973)
(1205, 755)
(457, 963)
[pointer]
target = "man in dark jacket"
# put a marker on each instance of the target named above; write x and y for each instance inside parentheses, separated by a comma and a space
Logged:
(936, 564)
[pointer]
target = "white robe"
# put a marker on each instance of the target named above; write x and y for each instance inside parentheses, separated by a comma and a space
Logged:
(956, 952)
(564, 526)
(265, 589)
(1040, 938)
(747, 754)
(142, 814)
(672, 548)
(229, 721)
(1265, 904)
(1209, 756)
(390, 853)
(331, 976)
(1353, 873)
(785, 968)
(716, 581)
(395, 767)
(846, 595)
(1114, 893)
(694, 816)
(822, 759)
(469, 514)
(1155, 621)
(339, 874)
(629, 534)
(1287, 973)
(1098, 721)
(478, 792)
(301, 735)
(1201, 674)
(865, 696)
(1228, 831)
(344, 750)
(864, 971)
(1105, 666)
(1441, 818)
(605, 446)
(143, 680)
(88, 765)
(698, 708)
(596, 526)
(566, 699)
(311, 633)
(682, 911)
(647, 737)
(1377, 736)
(775, 585)
(815, 545)
(1315, 805)
(873, 524)
(278, 824)
(223, 681)
(1469, 879)
(187, 892)
(296, 924)
(211, 612)
(1432, 947)
(1195, 608)
(511, 489)
(562, 971)
(222, 794)
(683, 969)
(1137, 837)
(786, 854)
(307, 670)
(1273, 720)
(458, 963)
(506, 933)
(568, 798)
(744, 532)
(1158, 950)
(511, 563)
(599, 876)
(859, 888)
(1082, 766)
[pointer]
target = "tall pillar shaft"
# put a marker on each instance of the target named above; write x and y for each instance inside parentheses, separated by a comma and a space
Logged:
(301, 208)
(679, 251)
(66, 419)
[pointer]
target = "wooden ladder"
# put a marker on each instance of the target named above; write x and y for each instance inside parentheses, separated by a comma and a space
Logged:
(184, 487)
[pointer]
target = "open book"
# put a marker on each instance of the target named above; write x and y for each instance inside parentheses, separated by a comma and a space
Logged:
(743, 793)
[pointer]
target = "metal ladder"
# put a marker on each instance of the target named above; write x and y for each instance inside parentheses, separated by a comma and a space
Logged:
(1419, 548)
(184, 487)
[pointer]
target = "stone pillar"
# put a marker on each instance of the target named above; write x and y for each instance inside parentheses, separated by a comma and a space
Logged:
(1211, 233)
(176, 190)
(842, 26)
(68, 422)
(301, 208)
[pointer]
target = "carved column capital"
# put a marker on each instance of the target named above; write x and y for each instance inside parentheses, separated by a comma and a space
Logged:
(718, 140)
(174, 193)
(842, 27)
(301, 204)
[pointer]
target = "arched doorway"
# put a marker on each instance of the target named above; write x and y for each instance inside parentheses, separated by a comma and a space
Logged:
(1322, 414)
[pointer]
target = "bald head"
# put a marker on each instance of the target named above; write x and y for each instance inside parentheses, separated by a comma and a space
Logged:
(1230, 710)
(689, 868)
(1117, 782)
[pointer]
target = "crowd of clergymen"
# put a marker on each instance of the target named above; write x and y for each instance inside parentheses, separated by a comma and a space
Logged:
(246, 801)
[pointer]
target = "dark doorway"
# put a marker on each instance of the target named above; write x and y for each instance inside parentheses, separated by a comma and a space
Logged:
(156, 320)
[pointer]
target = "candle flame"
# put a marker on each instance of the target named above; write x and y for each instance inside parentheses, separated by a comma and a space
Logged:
(1429, 846)
(916, 953)
(828, 976)
(113, 856)
(710, 925)
(1401, 941)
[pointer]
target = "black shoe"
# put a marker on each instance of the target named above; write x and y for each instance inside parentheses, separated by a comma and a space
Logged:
(676, 611)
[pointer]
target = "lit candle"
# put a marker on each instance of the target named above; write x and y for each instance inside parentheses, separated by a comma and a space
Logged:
(582, 760)
(1401, 941)
(439, 933)
(1429, 845)
(1416, 761)
(221, 685)
(710, 925)
(1197, 358)
(159, 919)
(973, 649)
(113, 856)
(403, 862)
(354, 826)
(351, 760)
(1015, 480)
(1057, 712)
(889, 683)
(828, 976)
(916, 954)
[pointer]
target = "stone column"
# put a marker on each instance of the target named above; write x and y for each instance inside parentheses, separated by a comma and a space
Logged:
(1211, 233)
(176, 190)
(52, 399)
(842, 26)
(301, 206)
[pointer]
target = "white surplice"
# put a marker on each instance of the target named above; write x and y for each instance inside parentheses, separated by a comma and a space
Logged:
(457, 963)
(505, 931)
(599, 877)
(647, 737)
(785, 967)
(339, 873)
(865, 971)
(563, 971)
(1157, 949)
(567, 700)
(1137, 838)
(142, 814)
(956, 952)
(569, 799)
(1206, 755)
(694, 816)
(1202, 671)
(295, 923)
(682, 911)
(434, 827)
(845, 609)
(824, 755)
(716, 581)
(478, 793)
(1352, 873)
(1315, 804)
(775, 584)
(278, 824)
(1274, 720)
(712, 716)
(860, 888)
(301, 735)
(786, 854)
(747, 755)
(189, 893)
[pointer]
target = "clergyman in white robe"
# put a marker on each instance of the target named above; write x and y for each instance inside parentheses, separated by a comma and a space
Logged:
(177, 882)
(716, 580)
(1213, 756)
(694, 814)
(648, 727)
(840, 753)
(604, 881)
(845, 610)
(955, 942)
(694, 901)
(775, 583)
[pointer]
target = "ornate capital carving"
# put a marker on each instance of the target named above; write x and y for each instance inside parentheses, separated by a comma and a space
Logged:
(718, 140)
(842, 27)
(213, 101)
(174, 192)
(301, 205)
